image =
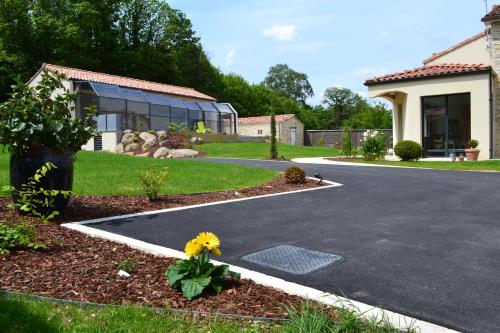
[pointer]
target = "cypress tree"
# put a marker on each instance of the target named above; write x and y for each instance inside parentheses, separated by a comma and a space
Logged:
(274, 146)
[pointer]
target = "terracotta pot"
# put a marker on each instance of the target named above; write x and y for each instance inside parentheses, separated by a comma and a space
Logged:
(472, 154)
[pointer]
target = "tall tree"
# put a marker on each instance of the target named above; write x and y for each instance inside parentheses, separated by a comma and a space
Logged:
(274, 144)
(376, 116)
(289, 83)
(342, 104)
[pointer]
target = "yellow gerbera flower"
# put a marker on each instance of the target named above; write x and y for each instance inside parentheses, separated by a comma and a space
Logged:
(193, 248)
(208, 240)
(217, 252)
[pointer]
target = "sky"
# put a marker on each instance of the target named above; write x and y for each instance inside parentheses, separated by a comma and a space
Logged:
(335, 42)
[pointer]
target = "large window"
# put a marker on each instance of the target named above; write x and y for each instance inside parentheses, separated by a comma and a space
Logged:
(445, 124)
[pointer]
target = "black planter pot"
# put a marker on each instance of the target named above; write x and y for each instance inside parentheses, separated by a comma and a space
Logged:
(24, 167)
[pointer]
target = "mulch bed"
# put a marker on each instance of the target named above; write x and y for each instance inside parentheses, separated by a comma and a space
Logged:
(82, 268)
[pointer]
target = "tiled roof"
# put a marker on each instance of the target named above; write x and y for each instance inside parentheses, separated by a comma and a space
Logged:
(493, 14)
(454, 47)
(265, 119)
(80, 74)
(429, 72)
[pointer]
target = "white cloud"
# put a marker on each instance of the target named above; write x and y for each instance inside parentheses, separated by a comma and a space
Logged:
(285, 32)
(367, 72)
(229, 58)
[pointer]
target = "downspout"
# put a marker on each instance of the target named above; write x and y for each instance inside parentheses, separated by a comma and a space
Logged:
(492, 127)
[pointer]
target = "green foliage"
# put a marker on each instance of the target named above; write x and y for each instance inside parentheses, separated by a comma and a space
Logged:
(35, 200)
(295, 175)
(34, 119)
(17, 236)
(152, 180)
(373, 145)
(346, 139)
(408, 150)
(375, 116)
(473, 143)
(321, 142)
(197, 273)
(127, 265)
(288, 83)
(342, 104)
(274, 143)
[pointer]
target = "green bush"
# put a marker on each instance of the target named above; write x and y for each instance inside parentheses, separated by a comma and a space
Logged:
(295, 175)
(17, 236)
(347, 146)
(473, 143)
(408, 150)
(152, 180)
(373, 145)
(35, 200)
(127, 265)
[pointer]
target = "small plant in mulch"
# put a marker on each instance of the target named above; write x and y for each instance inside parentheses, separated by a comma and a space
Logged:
(127, 265)
(152, 180)
(295, 175)
(33, 199)
(197, 273)
(13, 237)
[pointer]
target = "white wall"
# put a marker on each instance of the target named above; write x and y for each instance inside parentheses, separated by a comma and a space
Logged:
(477, 85)
(474, 52)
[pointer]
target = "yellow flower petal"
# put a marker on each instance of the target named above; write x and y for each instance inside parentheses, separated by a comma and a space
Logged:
(208, 240)
(193, 248)
(217, 252)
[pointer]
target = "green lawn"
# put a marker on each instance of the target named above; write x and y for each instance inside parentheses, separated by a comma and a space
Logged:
(100, 173)
(471, 166)
(260, 150)
(21, 315)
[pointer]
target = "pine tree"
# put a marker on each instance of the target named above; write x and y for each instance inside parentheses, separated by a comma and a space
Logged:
(274, 145)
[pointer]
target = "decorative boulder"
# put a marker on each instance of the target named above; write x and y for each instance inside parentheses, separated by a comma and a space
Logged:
(147, 137)
(119, 149)
(161, 152)
(183, 153)
(132, 147)
(127, 131)
(162, 135)
(147, 154)
(163, 143)
(129, 138)
(196, 140)
(148, 145)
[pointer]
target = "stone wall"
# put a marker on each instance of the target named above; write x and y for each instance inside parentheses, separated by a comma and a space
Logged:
(333, 138)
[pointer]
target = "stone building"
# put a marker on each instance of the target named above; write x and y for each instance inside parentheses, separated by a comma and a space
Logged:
(289, 129)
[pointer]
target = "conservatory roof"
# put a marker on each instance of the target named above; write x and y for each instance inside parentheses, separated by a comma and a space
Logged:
(137, 95)
(122, 81)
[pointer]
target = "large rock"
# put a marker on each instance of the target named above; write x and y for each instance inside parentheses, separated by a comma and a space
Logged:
(182, 153)
(196, 140)
(129, 138)
(163, 143)
(132, 147)
(119, 149)
(127, 131)
(148, 145)
(147, 154)
(147, 137)
(162, 135)
(161, 152)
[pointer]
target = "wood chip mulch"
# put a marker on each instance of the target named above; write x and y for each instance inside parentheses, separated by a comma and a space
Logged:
(82, 268)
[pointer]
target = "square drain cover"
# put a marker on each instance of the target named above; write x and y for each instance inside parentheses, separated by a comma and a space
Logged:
(292, 259)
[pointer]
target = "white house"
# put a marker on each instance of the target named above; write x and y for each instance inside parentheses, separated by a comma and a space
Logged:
(453, 98)
(127, 103)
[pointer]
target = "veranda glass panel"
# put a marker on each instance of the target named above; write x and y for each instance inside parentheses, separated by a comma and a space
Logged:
(138, 116)
(458, 122)
(115, 107)
(179, 116)
(194, 118)
(434, 125)
(212, 121)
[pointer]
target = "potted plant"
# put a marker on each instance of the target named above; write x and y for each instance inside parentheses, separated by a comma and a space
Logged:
(472, 153)
(36, 126)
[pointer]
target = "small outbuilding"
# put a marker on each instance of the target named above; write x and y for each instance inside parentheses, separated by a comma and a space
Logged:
(289, 129)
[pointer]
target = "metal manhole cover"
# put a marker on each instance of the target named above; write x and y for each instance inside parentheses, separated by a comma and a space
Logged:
(292, 259)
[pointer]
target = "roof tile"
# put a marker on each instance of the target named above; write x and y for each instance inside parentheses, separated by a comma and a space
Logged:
(429, 71)
(80, 74)
(493, 14)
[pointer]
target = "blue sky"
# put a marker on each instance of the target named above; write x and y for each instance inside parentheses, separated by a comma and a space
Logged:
(335, 42)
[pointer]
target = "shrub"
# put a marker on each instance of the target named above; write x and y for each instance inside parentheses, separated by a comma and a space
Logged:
(152, 180)
(321, 142)
(33, 199)
(373, 145)
(295, 175)
(127, 265)
(274, 144)
(195, 274)
(473, 143)
(408, 150)
(347, 146)
(17, 236)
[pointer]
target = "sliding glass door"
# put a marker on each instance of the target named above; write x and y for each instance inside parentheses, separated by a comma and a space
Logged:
(445, 124)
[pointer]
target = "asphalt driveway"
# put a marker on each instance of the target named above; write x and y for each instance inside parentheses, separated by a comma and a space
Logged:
(425, 243)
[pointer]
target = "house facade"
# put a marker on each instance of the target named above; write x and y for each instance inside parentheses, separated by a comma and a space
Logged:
(453, 98)
(126, 103)
(289, 129)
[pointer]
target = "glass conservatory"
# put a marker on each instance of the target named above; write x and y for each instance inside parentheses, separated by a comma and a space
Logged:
(121, 108)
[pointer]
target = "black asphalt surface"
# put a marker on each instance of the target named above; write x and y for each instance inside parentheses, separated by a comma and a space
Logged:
(424, 243)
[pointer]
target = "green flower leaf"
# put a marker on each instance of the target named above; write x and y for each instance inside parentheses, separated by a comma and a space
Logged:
(176, 272)
(194, 287)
